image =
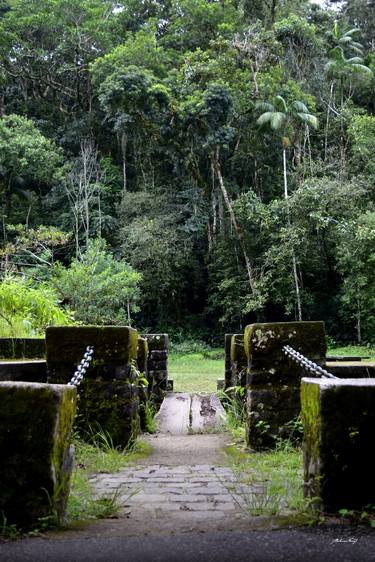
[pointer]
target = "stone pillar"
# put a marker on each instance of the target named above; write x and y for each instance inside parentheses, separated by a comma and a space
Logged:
(158, 365)
(142, 360)
(108, 394)
(36, 457)
(339, 426)
(273, 397)
(238, 360)
(228, 362)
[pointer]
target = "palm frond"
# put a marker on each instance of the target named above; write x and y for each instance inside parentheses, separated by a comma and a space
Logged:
(300, 106)
(264, 106)
(309, 119)
(362, 68)
(352, 31)
(265, 118)
(282, 101)
(277, 120)
(354, 60)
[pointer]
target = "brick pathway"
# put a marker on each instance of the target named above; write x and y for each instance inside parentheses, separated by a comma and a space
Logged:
(173, 491)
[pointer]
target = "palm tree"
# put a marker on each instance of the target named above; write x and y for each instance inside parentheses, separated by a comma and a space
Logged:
(342, 71)
(288, 119)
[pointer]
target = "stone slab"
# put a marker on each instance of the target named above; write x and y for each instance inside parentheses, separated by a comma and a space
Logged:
(339, 426)
(207, 413)
(113, 345)
(26, 371)
(173, 417)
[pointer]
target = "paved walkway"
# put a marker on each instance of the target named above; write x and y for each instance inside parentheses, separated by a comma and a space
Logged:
(188, 506)
(183, 485)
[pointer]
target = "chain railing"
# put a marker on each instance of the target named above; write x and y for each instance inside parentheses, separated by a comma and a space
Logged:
(307, 364)
(82, 367)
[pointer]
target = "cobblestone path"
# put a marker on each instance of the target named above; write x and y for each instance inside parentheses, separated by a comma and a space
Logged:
(184, 485)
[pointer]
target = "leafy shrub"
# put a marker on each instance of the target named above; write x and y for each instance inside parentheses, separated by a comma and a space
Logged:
(26, 311)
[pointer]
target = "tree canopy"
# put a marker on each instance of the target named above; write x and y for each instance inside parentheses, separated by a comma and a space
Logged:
(191, 165)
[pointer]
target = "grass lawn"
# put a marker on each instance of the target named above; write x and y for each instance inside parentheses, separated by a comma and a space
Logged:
(195, 372)
(200, 371)
(356, 350)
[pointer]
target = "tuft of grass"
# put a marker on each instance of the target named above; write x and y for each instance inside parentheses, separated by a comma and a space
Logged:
(233, 400)
(150, 412)
(99, 456)
(276, 482)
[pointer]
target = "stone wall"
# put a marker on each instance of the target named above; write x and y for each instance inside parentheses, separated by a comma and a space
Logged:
(273, 396)
(27, 371)
(339, 426)
(228, 361)
(109, 392)
(19, 348)
(157, 365)
(238, 359)
(36, 458)
(142, 366)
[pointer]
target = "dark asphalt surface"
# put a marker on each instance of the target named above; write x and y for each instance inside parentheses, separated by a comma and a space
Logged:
(302, 545)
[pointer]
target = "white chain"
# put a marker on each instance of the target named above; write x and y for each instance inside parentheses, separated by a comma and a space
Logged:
(82, 367)
(306, 363)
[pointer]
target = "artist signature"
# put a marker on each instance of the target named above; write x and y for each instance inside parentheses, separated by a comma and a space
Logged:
(351, 540)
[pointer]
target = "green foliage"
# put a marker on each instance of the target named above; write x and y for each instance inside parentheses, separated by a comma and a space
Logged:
(26, 311)
(91, 458)
(24, 151)
(154, 108)
(100, 289)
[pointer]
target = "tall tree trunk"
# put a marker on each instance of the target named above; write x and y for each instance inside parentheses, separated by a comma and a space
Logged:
(294, 260)
(236, 227)
(124, 144)
(327, 121)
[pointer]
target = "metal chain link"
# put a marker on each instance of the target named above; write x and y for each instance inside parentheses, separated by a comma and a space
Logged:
(307, 364)
(82, 367)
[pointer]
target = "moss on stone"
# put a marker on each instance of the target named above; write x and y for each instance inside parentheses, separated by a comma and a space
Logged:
(22, 348)
(113, 345)
(339, 423)
(264, 342)
(35, 426)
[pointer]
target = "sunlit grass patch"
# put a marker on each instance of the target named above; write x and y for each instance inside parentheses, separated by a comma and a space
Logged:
(196, 371)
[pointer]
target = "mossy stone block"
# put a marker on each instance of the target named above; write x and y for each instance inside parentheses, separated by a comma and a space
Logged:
(25, 371)
(264, 342)
(22, 348)
(269, 410)
(36, 457)
(142, 355)
(157, 341)
(113, 345)
(238, 361)
(111, 406)
(339, 426)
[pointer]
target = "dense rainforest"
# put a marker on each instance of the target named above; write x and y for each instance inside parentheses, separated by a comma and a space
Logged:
(188, 165)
